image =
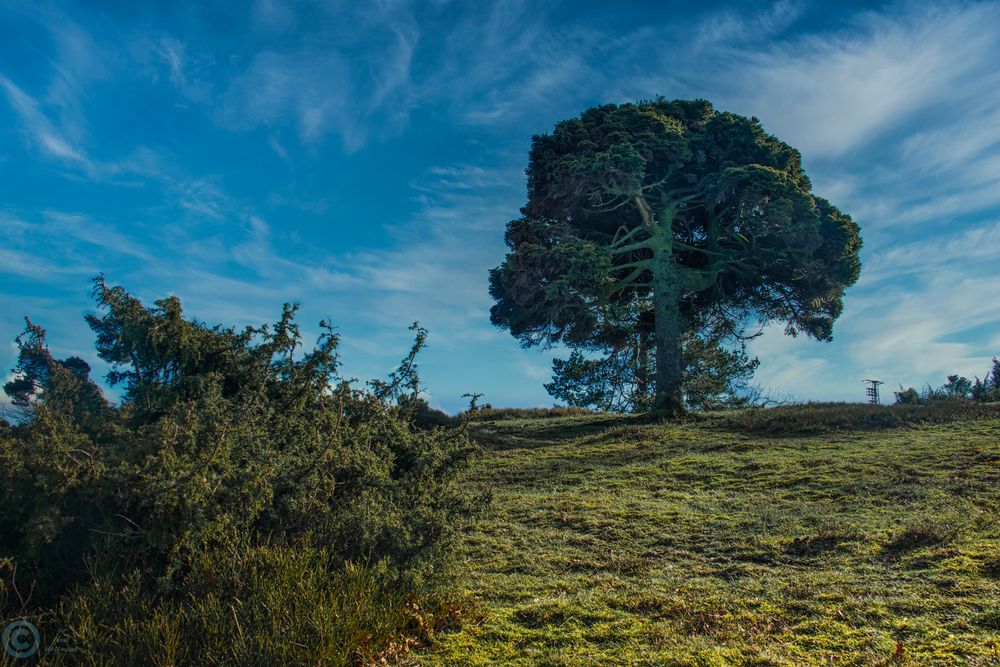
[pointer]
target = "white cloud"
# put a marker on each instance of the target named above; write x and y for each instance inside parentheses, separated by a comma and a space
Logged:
(828, 94)
(278, 149)
(508, 63)
(536, 372)
(174, 54)
(84, 229)
(203, 197)
(909, 332)
(904, 118)
(311, 88)
(25, 265)
(40, 131)
(437, 270)
(726, 28)
(142, 164)
(351, 79)
(975, 249)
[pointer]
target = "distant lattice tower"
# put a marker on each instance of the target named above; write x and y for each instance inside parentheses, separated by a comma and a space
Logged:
(871, 391)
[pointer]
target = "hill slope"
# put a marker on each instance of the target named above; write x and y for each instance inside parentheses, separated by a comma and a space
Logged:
(611, 541)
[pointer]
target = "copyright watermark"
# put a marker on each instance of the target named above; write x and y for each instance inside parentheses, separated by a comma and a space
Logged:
(21, 640)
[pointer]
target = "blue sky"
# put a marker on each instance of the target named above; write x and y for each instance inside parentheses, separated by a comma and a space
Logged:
(363, 160)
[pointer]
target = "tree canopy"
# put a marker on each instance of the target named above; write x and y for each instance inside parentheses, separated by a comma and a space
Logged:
(672, 216)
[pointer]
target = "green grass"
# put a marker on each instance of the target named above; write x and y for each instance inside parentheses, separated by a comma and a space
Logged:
(741, 539)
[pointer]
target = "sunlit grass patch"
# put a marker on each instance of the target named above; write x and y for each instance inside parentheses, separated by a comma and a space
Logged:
(863, 542)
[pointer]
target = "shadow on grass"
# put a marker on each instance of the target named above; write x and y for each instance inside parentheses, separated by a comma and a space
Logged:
(503, 435)
(818, 418)
(524, 429)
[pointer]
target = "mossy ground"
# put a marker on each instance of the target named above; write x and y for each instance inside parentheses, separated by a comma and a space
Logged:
(614, 542)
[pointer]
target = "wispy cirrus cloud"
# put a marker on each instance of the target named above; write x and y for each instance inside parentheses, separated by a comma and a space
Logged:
(976, 249)
(437, 266)
(828, 93)
(40, 131)
(346, 79)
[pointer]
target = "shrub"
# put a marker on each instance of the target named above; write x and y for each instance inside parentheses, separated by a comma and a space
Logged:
(907, 396)
(422, 415)
(988, 388)
(230, 450)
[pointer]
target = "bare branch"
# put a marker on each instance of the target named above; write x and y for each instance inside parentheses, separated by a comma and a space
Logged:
(641, 245)
(644, 264)
(629, 234)
(706, 251)
(600, 208)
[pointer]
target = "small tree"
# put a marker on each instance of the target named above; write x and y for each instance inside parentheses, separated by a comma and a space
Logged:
(958, 387)
(473, 400)
(988, 389)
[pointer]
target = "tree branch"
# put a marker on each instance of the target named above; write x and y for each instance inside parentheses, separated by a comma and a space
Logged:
(607, 209)
(706, 251)
(644, 264)
(615, 241)
(628, 281)
(641, 245)
(644, 211)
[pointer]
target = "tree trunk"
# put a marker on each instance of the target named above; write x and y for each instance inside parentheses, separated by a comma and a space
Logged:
(641, 370)
(669, 401)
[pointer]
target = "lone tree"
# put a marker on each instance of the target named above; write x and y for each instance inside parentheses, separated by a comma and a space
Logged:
(673, 212)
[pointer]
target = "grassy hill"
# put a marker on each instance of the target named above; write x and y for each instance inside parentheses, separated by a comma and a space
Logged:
(817, 535)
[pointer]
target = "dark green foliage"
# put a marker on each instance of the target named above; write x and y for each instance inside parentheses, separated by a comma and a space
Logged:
(917, 534)
(66, 381)
(909, 396)
(474, 401)
(276, 606)
(599, 383)
(422, 415)
(34, 366)
(648, 223)
(988, 388)
(715, 376)
(227, 445)
(957, 387)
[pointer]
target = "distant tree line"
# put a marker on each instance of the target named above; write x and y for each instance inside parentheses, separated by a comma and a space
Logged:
(984, 390)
